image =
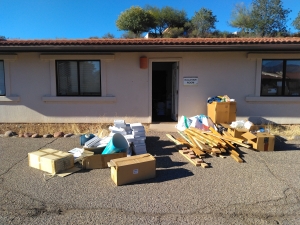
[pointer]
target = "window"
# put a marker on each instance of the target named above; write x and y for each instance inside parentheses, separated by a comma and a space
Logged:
(78, 78)
(2, 79)
(280, 77)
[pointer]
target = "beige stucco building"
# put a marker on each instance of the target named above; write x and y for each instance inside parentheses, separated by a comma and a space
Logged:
(97, 81)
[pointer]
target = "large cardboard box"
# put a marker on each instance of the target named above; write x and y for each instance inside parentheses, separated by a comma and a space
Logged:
(133, 168)
(51, 160)
(222, 112)
(97, 160)
(260, 141)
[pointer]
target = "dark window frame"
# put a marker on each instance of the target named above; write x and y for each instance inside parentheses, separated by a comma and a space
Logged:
(78, 78)
(284, 79)
(4, 94)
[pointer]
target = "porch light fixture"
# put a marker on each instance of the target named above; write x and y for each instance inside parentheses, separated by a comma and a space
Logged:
(143, 62)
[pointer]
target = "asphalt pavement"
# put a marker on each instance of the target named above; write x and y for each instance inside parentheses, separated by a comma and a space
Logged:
(262, 190)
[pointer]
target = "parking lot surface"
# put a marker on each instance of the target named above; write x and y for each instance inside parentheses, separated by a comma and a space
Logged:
(262, 190)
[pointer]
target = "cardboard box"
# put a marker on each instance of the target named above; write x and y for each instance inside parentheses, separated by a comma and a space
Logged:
(97, 160)
(235, 132)
(133, 168)
(238, 132)
(51, 160)
(222, 112)
(260, 141)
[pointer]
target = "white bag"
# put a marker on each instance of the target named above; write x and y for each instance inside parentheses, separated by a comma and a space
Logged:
(183, 123)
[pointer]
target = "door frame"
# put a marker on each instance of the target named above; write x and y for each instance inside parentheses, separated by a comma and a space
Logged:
(168, 59)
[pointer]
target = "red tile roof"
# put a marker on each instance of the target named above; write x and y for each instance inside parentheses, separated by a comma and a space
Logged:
(154, 41)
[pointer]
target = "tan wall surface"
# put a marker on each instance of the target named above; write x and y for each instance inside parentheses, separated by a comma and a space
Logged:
(30, 80)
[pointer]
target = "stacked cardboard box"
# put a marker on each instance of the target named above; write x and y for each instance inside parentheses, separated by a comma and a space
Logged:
(222, 112)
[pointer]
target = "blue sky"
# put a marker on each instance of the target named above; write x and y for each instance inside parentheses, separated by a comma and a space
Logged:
(76, 19)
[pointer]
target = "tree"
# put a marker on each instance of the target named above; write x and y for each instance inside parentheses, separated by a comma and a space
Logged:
(108, 36)
(174, 32)
(264, 18)
(296, 22)
(136, 20)
(129, 35)
(166, 17)
(241, 18)
(269, 17)
(204, 22)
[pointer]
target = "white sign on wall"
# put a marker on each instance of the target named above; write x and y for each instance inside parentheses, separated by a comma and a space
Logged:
(190, 81)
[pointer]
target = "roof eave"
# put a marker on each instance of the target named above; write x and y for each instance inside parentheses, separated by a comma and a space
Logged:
(152, 48)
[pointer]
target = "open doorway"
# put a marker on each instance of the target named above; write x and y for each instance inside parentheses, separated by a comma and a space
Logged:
(164, 91)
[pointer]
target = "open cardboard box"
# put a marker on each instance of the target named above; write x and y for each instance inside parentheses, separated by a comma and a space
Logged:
(238, 132)
(222, 112)
(260, 141)
(93, 159)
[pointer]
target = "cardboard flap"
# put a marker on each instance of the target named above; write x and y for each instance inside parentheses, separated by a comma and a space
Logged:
(226, 125)
(131, 160)
(249, 136)
(68, 172)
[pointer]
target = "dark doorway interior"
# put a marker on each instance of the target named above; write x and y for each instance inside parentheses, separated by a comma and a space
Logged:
(162, 91)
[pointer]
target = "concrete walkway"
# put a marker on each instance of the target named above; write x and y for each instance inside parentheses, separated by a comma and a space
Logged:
(163, 127)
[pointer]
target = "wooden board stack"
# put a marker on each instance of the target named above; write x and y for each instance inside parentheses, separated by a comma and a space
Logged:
(202, 143)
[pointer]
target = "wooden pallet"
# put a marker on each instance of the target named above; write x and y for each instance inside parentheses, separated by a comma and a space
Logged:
(195, 161)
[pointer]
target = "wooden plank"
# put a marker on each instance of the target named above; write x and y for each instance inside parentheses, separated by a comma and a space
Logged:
(227, 134)
(182, 140)
(236, 158)
(231, 140)
(216, 150)
(198, 152)
(201, 144)
(192, 140)
(233, 152)
(216, 138)
(204, 165)
(223, 150)
(172, 138)
(185, 137)
(197, 133)
(194, 162)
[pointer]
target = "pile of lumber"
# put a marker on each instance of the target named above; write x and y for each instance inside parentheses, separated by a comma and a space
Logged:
(209, 142)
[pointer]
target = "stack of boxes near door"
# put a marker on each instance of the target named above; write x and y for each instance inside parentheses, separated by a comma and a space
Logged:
(139, 145)
(225, 113)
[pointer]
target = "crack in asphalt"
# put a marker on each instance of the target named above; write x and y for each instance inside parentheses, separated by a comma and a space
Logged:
(278, 178)
(5, 172)
(226, 212)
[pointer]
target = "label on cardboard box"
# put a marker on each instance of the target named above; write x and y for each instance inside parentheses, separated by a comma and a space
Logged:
(135, 171)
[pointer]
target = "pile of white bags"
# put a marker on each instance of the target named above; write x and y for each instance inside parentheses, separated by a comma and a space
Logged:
(201, 122)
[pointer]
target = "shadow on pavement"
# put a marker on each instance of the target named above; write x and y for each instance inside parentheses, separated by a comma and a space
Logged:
(166, 175)
(282, 144)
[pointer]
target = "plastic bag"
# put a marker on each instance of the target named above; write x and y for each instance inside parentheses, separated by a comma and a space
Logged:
(183, 123)
(207, 123)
